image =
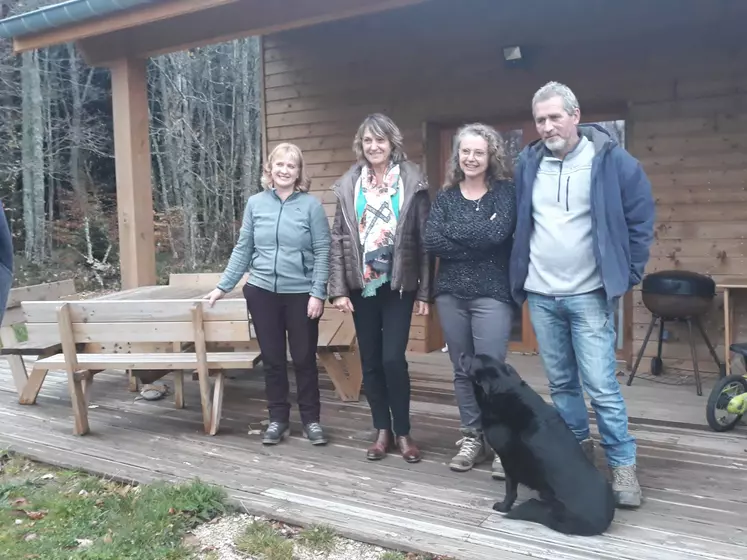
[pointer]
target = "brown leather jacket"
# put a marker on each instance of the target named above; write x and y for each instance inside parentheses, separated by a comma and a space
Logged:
(411, 270)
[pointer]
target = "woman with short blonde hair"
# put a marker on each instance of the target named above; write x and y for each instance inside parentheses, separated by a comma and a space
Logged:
(379, 271)
(470, 229)
(284, 245)
(303, 183)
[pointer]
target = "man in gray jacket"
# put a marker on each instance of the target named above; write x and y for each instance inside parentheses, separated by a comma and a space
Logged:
(585, 218)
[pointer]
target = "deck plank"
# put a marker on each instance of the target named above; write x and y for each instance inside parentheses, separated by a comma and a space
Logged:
(692, 478)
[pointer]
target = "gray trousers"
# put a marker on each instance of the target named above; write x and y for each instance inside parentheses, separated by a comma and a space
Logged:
(473, 326)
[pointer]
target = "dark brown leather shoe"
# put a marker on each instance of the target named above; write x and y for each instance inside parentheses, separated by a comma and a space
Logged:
(409, 450)
(383, 443)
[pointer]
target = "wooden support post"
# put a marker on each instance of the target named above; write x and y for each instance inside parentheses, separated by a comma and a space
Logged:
(77, 393)
(178, 379)
(133, 169)
(16, 363)
(202, 369)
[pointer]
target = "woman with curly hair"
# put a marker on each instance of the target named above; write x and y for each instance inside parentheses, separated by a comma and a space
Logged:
(284, 244)
(470, 229)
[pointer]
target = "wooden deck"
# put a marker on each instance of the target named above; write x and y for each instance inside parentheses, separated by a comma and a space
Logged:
(694, 480)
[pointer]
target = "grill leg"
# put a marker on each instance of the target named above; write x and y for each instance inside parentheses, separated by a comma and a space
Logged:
(694, 354)
(711, 349)
(661, 337)
(643, 348)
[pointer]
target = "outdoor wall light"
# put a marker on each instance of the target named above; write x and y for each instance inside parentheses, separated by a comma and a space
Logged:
(514, 56)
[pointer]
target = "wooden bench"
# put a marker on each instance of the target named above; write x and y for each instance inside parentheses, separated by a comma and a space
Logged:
(98, 324)
(337, 349)
(12, 349)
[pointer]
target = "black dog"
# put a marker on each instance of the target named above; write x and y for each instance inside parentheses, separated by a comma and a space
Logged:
(538, 449)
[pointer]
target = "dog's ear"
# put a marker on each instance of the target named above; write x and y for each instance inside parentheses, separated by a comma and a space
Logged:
(489, 362)
(509, 371)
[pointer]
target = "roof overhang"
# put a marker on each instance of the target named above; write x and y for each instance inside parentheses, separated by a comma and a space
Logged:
(144, 28)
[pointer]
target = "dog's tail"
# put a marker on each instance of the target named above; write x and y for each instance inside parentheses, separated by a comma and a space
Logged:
(556, 517)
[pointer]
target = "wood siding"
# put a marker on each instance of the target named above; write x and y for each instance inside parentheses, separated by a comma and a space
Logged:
(440, 64)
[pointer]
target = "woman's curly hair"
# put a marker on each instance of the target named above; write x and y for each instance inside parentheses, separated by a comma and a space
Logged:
(496, 154)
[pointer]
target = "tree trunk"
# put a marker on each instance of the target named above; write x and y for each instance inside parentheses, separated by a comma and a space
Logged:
(250, 124)
(33, 157)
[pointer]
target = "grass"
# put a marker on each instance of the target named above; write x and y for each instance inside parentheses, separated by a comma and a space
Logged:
(50, 514)
(389, 555)
(319, 538)
(262, 540)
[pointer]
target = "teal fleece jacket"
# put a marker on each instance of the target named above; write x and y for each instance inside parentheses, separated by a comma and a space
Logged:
(284, 245)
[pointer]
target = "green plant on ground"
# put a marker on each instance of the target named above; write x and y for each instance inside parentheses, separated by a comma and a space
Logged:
(391, 555)
(262, 540)
(318, 538)
(54, 515)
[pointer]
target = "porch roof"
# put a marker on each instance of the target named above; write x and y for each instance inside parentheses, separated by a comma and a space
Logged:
(61, 15)
(108, 30)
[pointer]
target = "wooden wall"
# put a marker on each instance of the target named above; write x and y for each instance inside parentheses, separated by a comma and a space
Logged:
(440, 63)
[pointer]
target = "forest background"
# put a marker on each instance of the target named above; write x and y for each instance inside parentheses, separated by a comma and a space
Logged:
(57, 180)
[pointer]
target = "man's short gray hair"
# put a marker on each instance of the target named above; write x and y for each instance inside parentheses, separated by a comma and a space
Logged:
(556, 89)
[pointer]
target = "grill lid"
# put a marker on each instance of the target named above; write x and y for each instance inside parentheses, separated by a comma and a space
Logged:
(679, 283)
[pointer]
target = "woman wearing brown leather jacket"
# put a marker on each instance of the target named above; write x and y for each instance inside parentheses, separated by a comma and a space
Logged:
(379, 271)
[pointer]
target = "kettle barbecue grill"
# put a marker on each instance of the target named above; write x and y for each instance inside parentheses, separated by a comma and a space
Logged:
(677, 295)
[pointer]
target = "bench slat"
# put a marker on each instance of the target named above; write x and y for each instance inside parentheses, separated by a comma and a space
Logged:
(128, 311)
(32, 348)
(43, 292)
(327, 330)
(345, 335)
(215, 331)
(162, 360)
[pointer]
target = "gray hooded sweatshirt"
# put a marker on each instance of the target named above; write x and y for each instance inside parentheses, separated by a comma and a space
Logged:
(561, 246)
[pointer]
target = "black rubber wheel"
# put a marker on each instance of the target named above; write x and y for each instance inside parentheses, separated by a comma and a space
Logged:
(725, 389)
(657, 366)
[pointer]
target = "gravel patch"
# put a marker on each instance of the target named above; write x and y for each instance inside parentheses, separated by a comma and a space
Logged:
(215, 541)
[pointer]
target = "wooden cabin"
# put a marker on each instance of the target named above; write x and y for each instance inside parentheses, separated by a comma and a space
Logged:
(669, 76)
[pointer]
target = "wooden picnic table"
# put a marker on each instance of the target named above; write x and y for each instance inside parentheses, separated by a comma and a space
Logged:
(336, 348)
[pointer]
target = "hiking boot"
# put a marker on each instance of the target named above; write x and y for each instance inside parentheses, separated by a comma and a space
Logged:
(471, 452)
(314, 433)
(497, 471)
(625, 487)
(588, 446)
(275, 433)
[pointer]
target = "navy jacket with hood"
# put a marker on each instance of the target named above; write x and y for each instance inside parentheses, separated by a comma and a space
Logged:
(622, 213)
(6, 261)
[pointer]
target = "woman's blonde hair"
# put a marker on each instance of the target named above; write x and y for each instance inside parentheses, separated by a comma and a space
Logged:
(380, 126)
(496, 154)
(303, 183)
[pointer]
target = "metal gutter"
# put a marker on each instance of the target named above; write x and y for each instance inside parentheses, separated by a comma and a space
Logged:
(63, 14)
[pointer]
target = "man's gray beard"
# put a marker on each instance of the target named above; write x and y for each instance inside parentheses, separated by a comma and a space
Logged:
(555, 145)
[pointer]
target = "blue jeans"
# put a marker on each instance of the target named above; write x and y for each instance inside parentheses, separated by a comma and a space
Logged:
(576, 335)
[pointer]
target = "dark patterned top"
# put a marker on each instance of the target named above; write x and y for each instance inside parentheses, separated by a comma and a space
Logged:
(473, 240)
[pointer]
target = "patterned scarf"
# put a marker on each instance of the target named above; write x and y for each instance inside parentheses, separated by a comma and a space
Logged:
(377, 226)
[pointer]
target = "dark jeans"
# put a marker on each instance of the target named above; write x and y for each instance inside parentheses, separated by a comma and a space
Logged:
(382, 325)
(273, 315)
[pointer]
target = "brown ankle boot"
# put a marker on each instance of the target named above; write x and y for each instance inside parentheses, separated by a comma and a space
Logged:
(409, 450)
(383, 443)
